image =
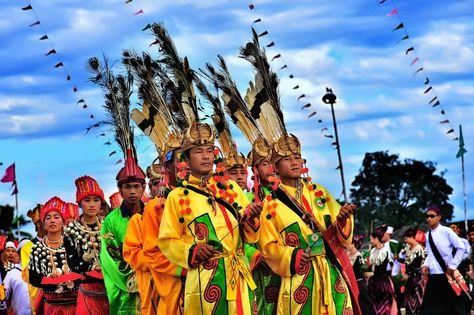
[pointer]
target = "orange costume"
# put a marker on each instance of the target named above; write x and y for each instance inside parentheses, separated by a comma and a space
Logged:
(158, 279)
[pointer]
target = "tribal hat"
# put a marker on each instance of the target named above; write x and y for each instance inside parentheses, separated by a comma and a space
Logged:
(286, 145)
(54, 204)
(87, 186)
(115, 200)
(154, 172)
(71, 212)
(261, 151)
(131, 172)
(34, 214)
(198, 134)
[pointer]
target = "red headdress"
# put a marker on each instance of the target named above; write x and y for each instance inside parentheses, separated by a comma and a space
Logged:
(87, 186)
(115, 200)
(71, 211)
(54, 204)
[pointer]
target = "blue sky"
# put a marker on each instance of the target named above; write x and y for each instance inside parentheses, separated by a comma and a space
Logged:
(346, 45)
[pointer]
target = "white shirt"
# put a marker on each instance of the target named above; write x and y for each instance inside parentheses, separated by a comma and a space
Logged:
(16, 290)
(395, 269)
(467, 247)
(445, 240)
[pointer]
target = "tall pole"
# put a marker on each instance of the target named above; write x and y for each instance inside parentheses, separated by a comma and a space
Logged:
(330, 98)
(464, 193)
(17, 215)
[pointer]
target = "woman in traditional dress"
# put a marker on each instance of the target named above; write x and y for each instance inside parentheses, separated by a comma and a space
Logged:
(82, 238)
(414, 285)
(49, 264)
(380, 286)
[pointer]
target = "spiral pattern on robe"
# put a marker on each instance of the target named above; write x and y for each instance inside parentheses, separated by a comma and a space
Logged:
(210, 264)
(301, 295)
(292, 239)
(271, 294)
(339, 285)
(212, 293)
(303, 269)
(201, 230)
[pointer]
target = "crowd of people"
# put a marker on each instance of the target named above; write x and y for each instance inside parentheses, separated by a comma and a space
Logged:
(201, 241)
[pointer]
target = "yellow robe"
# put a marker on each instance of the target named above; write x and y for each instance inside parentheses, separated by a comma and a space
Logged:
(25, 259)
(214, 286)
(280, 238)
(134, 255)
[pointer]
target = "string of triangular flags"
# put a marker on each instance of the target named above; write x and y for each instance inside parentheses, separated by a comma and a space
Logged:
(416, 63)
(59, 61)
(307, 106)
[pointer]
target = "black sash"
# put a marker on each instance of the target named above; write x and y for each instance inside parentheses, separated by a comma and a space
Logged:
(436, 253)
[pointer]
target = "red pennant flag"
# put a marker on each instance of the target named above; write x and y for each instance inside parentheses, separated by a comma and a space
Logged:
(393, 12)
(35, 23)
(414, 61)
(138, 12)
(28, 7)
(9, 176)
(59, 64)
(251, 6)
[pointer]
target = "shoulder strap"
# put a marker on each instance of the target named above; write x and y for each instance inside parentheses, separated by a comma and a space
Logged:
(222, 202)
(436, 253)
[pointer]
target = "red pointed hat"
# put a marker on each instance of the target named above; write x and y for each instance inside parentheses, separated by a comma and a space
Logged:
(131, 172)
(53, 204)
(87, 186)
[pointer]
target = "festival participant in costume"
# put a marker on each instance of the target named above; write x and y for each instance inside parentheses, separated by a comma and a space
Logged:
(380, 286)
(115, 200)
(15, 288)
(82, 238)
(440, 297)
(119, 277)
(414, 255)
(49, 264)
(34, 215)
(394, 247)
(359, 267)
(203, 230)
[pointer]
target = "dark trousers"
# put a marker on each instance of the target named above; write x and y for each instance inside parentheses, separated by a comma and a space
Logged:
(440, 299)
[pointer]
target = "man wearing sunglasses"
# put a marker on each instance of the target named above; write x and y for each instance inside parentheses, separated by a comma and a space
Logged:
(439, 296)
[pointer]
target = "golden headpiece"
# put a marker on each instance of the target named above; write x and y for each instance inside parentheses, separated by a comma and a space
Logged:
(261, 151)
(34, 214)
(154, 172)
(198, 134)
(286, 146)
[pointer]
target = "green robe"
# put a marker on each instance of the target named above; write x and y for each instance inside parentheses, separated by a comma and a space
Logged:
(119, 277)
(268, 283)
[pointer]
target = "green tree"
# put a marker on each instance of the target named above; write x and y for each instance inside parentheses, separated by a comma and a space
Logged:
(8, 222)
(396, 192)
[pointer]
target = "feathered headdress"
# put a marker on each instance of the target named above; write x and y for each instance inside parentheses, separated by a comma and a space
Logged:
(117, 90)
(264, 101)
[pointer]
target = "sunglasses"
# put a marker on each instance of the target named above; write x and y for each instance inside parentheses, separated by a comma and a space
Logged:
(431, 216)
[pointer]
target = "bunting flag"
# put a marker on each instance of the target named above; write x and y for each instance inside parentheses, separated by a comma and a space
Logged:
(312, 114)
(59, 64)
(43, 37)
(291, 76)
(461, 151)
(138, 12)
(52, 51)
(9, 176)
(148, 26)
(434, 102)
(257, 21)
(251, 6)
(276, 56)
(263, 34)
(68, 78)
(154, 43)
(301, 96)
(128, 1)
(270, 45)
(399, 26)
(296, 87)
(306, 106)
(283, 67)
(35, 23)
(112, 153)
(119, 162)
(28, 7)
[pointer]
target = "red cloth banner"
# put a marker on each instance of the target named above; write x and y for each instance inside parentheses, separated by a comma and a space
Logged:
(9, 176)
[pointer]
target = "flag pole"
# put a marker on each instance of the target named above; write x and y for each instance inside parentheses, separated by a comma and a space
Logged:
(464, 193)
(17, 214)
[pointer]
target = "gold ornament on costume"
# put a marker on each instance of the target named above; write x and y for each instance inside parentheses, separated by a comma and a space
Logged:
(198, 134)
(154, 172)
(233, 160)
(286, 146)
(261, 151)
